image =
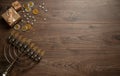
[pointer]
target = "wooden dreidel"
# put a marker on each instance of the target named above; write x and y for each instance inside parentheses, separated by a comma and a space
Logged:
(35, 48)
(20, 37)
(23, 40)
(31, 45)
(28, 41)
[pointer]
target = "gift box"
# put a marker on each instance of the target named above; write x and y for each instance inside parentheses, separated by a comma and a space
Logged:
(16, 5)
(11, 16)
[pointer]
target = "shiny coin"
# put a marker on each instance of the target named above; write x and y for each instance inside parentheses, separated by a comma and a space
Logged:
(17, 27)
(24, 28)
(28, 9)
(29, 26)
(31, 4)
(25, 5)
(35, 11)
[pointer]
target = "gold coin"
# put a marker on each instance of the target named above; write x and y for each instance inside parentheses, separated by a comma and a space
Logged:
(29, 26)
(25, 5)
(35, 11)
(31, 4)
(24, 28)
(28, 9)
(17, 27)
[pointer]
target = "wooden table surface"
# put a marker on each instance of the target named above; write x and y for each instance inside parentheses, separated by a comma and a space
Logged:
(81, 38)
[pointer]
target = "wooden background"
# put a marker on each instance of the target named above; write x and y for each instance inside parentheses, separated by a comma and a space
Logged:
(81, 38)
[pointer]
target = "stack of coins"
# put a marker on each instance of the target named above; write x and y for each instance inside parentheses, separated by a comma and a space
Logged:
(17, 27)
(35, 11)
(28, 6)
(26, 27)
(31, 4)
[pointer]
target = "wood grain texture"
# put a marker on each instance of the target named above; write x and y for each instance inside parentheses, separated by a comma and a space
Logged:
(81, 38)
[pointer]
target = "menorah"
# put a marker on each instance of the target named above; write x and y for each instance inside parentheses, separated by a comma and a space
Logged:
(22, 52)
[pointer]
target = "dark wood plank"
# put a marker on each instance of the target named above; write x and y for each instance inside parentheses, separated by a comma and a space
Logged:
(84, 11)
(81, 38)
